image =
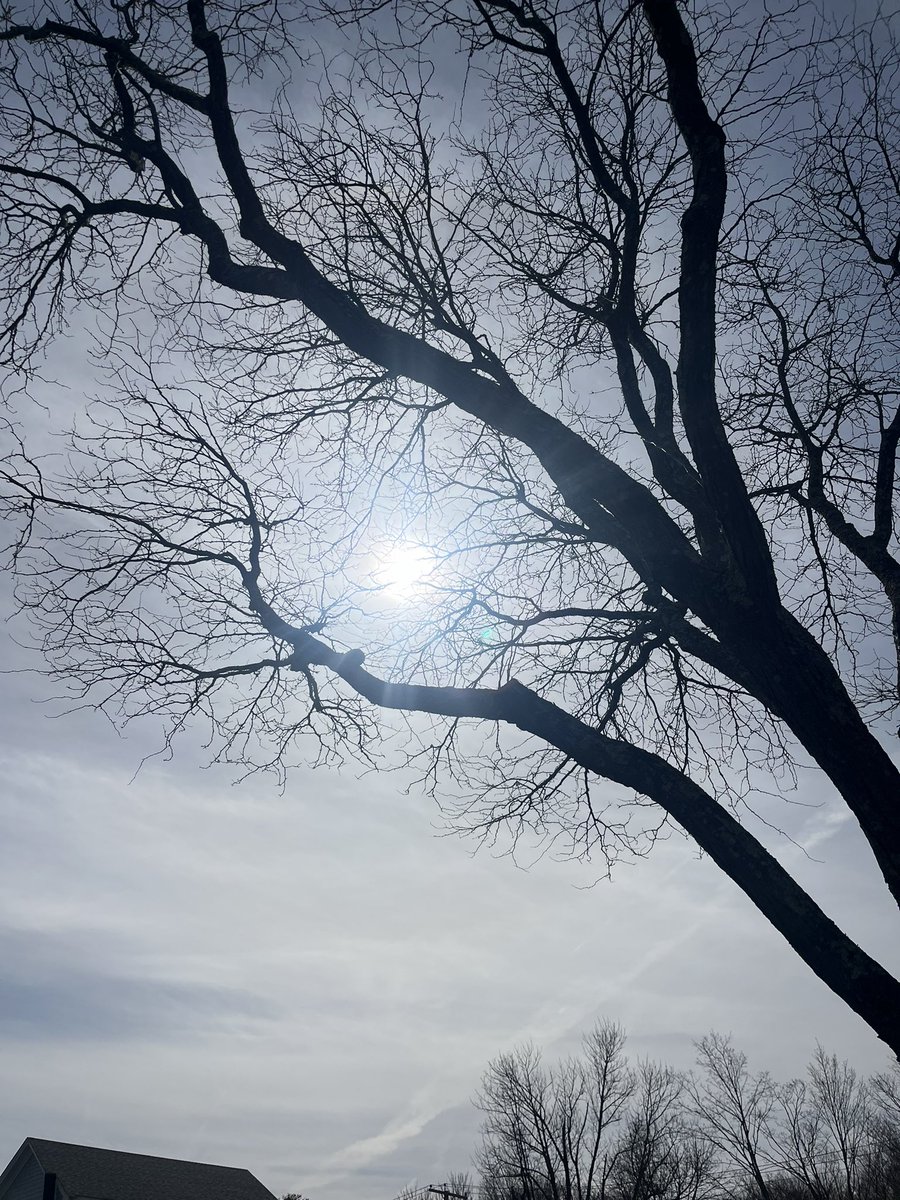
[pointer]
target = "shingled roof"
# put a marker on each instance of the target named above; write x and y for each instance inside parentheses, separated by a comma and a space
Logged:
(88, 1173)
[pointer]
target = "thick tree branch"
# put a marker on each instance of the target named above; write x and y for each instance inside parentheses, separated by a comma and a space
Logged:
(696, 372)
(359, 286)
(119, 47)
(865, 986)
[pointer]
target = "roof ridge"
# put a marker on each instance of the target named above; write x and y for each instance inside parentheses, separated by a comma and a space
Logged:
(134, 1154)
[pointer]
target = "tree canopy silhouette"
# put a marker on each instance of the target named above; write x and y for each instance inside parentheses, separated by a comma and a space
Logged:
(593, 333)
(596, 1127)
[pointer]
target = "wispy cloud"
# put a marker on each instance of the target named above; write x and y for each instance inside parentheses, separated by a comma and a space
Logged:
(50, 991)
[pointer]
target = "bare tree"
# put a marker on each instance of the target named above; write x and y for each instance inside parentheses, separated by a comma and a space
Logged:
(831, 1139)
(724, 1133)
(843, 1099)
(553, 1132)
(734, 1110)
(622, 355)
(886, 1093)
(459, 1186)
(660, 1156)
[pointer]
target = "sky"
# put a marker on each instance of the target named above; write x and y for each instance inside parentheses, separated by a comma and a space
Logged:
(310, 983)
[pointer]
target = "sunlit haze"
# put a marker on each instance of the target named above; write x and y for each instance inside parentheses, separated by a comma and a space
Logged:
(403, 570)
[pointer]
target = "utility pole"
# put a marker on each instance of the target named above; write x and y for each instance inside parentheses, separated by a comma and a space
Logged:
(445, 1193)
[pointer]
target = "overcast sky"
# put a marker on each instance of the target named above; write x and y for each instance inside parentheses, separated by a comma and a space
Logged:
(310, 984)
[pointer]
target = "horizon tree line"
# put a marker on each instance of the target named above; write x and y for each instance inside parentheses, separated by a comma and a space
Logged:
(599, 1126)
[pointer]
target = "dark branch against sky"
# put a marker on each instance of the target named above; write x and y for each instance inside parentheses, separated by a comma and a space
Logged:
(616, 363)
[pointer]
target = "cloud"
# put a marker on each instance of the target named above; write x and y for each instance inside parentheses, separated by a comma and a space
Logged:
(311, 985)
(52, 991)
(386, 1141)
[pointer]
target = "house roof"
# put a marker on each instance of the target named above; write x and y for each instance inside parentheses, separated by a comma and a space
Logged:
(89, 1173)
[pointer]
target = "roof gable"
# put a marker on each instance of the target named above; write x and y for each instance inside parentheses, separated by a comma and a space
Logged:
(89, 1173)
(22, 1173)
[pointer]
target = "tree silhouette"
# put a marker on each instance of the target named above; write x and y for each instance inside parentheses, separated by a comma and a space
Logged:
(720, 1132)
(611, 343)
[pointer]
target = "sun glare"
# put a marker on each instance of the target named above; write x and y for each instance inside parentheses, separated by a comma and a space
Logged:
(402, 571)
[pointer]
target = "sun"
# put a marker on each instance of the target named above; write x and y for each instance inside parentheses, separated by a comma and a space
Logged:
(402, 571)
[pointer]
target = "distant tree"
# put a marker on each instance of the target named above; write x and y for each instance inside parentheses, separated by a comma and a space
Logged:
(660, 1156)
(886, 1094)
(459, 1184)
(620, 352)
(412, 1191)
(720, 1134)
(734, 1110)
(552, 1132)
(589, 1128)
(832, 1141)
